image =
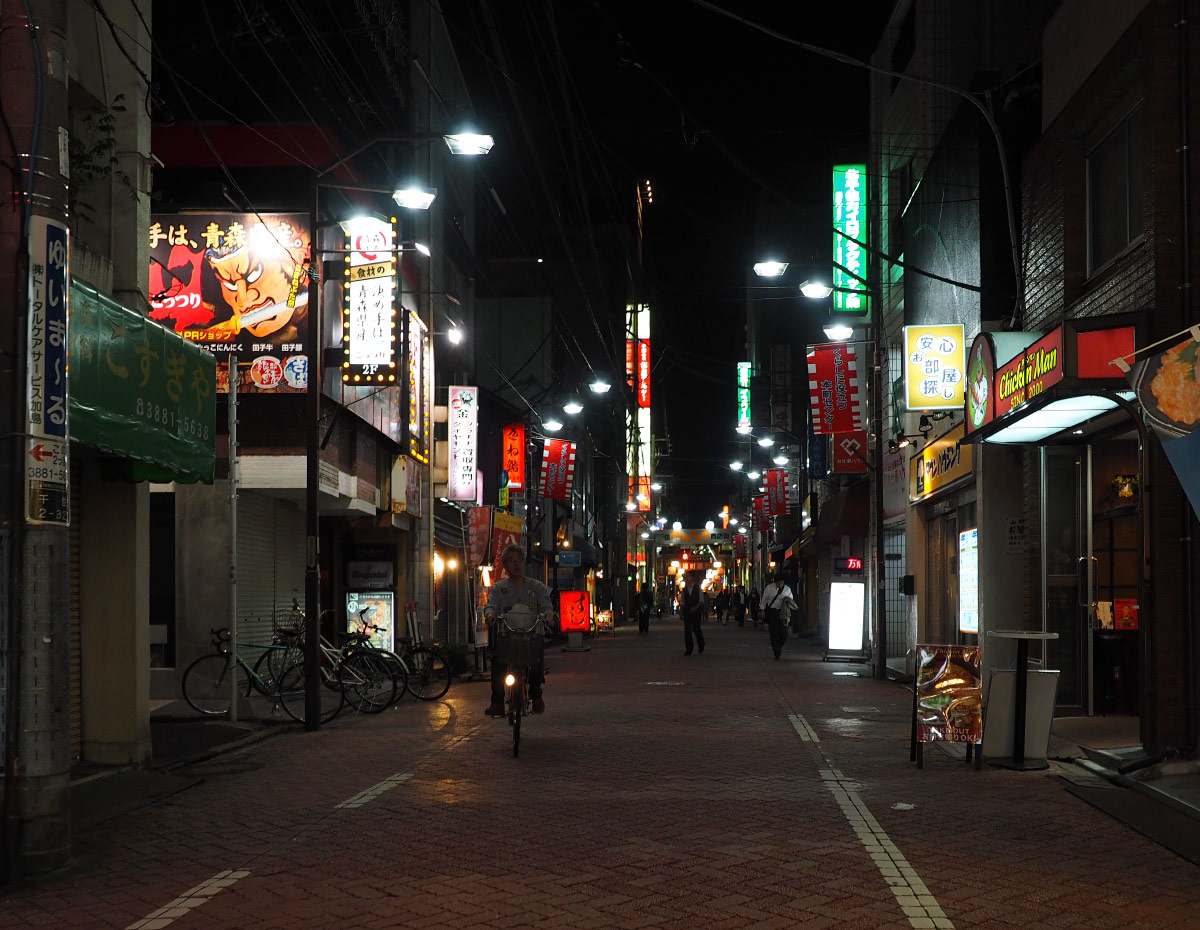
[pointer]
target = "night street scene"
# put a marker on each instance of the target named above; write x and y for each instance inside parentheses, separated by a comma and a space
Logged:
(597, 465)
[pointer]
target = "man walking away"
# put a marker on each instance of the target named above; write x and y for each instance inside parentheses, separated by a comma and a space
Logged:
(692, 608)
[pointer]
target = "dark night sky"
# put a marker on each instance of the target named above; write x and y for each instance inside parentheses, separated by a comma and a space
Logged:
(720, 118)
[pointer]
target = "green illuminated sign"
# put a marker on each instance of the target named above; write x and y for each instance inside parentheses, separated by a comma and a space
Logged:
(850, 221)
(743, 394)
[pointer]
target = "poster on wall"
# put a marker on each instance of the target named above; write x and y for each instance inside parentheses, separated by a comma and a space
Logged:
(236, 283)
(968, 581)
(373, 612)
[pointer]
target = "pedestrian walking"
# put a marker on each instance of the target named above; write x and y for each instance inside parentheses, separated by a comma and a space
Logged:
(776, 599)
(692, 606)
(723, 605)
(739, 604)
(645, 602)
(752, 601)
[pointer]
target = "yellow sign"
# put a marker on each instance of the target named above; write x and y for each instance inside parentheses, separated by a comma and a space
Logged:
(934, 364)
(944, 460)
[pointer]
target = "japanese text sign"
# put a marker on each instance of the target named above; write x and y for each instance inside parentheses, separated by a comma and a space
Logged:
(238, 284)
(833, 388)
(934, 363)
(776, 504)
(513, 455)
(643, 372)
(743, 396)
(558, 469)
(850, 229)
(369, 302)
(574, 611)
(463, 430)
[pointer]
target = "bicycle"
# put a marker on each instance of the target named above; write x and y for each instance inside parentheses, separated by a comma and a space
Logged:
(207, 685)
(372, 678)
(519, 648)
(429, 674)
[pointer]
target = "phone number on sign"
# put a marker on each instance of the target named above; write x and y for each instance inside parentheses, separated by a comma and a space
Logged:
(166, 416)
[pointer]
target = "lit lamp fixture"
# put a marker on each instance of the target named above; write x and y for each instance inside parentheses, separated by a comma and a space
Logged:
(814, 289)
(455, 335)
(838, 331)
(422, 248)
(766, 442)
(599, 385)
(656, 486)
(469, 143)
(780, 460)
(573, 406)
(900, 441)
(733, 521)
(754, 475)
(741, 529)
(770, 269)
(551, 423)
(414, 198)
(645, 535)
(743, 430)
(736, 466)
(630, 505)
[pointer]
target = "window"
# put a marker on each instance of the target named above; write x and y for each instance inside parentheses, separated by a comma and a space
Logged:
(1115, 170)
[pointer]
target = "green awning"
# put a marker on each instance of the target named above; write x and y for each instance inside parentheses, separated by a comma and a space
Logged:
(139, 391)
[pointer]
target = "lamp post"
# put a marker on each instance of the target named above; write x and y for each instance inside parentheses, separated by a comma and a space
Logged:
(312, 405)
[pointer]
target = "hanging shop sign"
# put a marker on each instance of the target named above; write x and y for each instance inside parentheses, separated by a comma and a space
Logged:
(849, 452)
(1039, 367)
(513, 455)
(369, 301)
(479, 534)
(934, 366)
(507, 530)
(643, 372)
(849, 238)
(743, 397)
(943, 461)
(558, 469)
(463, 429)
(418, 380)
(834, 389)
(762, 520)
(776, 483)
(47, 455)
(236, 283)
(741, 546)
(407, 482)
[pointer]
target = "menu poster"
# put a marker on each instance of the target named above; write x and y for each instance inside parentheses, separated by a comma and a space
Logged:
(949, 698)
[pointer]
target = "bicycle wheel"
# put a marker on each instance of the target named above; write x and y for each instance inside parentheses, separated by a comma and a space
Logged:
(291, 696)
(274, 662)
(206, 684)
(428, 673)
(367, 682)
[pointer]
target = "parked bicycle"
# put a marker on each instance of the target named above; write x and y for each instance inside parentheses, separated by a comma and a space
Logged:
(421, 670)
(208, 686)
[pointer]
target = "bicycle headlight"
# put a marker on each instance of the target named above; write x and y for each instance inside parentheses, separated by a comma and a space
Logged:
(510, 679)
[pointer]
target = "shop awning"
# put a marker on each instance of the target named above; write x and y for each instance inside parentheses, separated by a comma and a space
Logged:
(587, 552)
(139, 391)
(846, 513)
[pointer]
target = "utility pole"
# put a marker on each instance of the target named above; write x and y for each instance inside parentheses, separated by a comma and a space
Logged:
(34, 504)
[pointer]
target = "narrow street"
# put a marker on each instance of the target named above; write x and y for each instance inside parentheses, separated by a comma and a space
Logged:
(720, 790)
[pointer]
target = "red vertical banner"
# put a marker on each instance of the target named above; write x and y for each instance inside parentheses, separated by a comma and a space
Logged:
(630, 364)
(762, 520)
(643, 499)
(833, 387)
(558, 469)
(513, 455)
(850, 453)
(741, 546)
(643, 372)
(479, 533)
(777, 492)
(506, 531)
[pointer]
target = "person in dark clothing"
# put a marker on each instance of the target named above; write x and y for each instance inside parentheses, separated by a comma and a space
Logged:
(739, 604)
(645, 603)
(753, 602)
(723, 606)
(692, 608)
(777, 601)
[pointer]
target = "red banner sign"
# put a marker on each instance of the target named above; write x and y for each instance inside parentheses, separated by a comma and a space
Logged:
(1026, 376)
(777, 492)
(762, 520)
(479, 532)
(741, 546)
(513, 455)
(506, 531)
(850, 453)
(558, 469)
(643, 372)
(574, 611)
(833, 387)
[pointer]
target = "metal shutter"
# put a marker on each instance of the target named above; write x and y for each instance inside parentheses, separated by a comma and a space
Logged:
(270, 569)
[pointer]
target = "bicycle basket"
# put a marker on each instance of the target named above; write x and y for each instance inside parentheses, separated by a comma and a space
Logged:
(522, 649)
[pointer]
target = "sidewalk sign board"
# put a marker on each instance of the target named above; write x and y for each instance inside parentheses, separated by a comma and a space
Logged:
(947, 699)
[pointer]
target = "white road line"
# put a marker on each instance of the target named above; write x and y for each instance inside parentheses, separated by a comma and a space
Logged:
(807, 733)
(919, 906)
(188, 901)
(375, 790)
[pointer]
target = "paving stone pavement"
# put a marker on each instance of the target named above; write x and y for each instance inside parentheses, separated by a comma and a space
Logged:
(721, 790)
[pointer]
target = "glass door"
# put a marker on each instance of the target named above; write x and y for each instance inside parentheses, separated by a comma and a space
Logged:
(1068, 573)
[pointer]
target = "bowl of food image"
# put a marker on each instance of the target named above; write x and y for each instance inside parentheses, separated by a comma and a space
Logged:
(1168, 387)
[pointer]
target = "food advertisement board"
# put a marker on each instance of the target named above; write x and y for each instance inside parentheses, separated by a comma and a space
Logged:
(949, 696)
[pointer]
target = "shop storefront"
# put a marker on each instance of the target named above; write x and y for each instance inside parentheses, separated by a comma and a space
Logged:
(1055, 400)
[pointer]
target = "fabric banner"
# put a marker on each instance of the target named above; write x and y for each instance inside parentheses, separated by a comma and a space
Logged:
(1168, 388)
(949, 694)
(506, 531)
(833, 387)
(479, 532)
(558, 469)
(741, 546)
(776, 504)
(850, 453)
(762, 520)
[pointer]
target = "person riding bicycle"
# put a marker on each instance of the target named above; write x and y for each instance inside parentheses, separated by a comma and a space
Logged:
(513, 591)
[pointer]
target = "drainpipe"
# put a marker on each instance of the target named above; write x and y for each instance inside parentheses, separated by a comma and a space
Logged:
(1185, 292)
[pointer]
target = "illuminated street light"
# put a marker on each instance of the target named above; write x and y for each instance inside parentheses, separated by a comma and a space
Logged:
(770, 269)
(766, 442)
(414, 198)
(469, 143)
(754, 475)
(736, 466)
(780, 460)
(573, 406)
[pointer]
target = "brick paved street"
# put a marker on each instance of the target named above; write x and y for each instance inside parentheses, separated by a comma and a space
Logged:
(657, 791)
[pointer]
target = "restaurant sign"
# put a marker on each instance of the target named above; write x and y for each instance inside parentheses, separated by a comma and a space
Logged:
(1040, 366)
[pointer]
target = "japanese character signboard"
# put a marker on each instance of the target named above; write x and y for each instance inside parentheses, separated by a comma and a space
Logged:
(833, 387)
(574, 611)
(513, 455)
(47, 456)
(849, 237)
(776, 502)
(558, 469)
(463, 432)
(934, 365)
(369, 302)
(238, 284)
